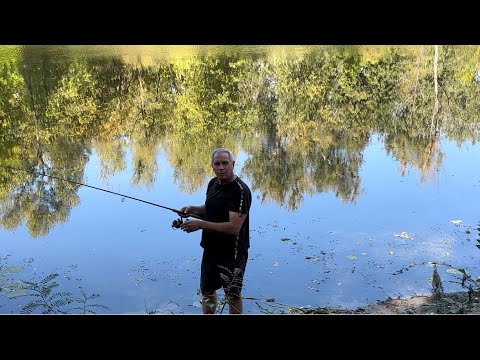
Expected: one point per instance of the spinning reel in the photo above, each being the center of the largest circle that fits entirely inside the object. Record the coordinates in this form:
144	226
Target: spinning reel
177	223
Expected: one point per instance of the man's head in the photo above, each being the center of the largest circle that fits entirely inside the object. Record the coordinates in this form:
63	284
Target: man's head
223	164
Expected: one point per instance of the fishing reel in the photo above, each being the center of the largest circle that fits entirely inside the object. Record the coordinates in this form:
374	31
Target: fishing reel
177	223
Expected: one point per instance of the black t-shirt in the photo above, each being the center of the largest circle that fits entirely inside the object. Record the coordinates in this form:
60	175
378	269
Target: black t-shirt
234	196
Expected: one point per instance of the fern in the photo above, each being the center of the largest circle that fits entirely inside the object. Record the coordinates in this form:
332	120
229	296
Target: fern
85	308
50	302
233	280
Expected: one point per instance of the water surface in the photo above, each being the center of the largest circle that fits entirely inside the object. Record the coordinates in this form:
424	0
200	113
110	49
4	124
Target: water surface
362	163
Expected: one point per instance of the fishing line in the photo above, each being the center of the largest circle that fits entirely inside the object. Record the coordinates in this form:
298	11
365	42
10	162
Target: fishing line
108	191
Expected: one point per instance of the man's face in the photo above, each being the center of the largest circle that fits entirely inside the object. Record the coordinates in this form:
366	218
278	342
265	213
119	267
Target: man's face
223	167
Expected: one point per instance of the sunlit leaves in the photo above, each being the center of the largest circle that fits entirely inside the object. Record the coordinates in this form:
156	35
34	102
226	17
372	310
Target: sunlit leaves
303	119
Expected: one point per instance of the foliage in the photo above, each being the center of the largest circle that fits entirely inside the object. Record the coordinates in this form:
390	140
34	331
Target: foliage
50	302
10	287
47	302
233	280
467	281
460	276
303	118
43	296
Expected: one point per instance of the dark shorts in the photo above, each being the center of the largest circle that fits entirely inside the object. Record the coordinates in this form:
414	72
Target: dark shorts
223	271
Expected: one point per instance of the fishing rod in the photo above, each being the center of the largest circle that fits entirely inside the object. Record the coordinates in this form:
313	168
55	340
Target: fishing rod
176	223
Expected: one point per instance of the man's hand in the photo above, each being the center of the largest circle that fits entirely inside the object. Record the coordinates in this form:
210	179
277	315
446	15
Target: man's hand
191	225
185	211
189	210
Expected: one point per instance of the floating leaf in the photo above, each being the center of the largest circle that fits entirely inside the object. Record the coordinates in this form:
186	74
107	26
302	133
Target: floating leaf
169	308
197	304
14	288
404	235
10	269
454	271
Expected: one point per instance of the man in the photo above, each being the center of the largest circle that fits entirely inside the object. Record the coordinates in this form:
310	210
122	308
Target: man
225	233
